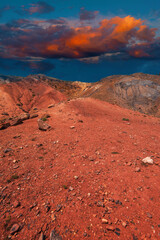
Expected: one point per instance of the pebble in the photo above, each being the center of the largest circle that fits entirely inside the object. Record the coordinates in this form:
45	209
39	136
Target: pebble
15	161
51	106
7	150
15	228
72	127
16	204
124	224
137	169
58	208
53	217
110	228
129	164
105	221
149	215
91	158
71	188
100	204
147	160
15	166
76	177
85	234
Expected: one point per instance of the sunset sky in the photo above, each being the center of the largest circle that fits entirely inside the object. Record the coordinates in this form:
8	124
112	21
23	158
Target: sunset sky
79	40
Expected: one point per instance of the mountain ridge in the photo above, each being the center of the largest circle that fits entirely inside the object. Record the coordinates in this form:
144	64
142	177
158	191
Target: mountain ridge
139	92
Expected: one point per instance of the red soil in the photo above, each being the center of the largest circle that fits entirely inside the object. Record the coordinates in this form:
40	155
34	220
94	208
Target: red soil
17	97
88	139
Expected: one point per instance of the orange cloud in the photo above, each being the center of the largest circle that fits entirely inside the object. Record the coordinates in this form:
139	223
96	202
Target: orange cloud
138	53
111	35
128	35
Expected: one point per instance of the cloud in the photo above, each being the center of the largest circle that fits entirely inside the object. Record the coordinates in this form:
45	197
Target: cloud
40	7
60	38
87	15
35	65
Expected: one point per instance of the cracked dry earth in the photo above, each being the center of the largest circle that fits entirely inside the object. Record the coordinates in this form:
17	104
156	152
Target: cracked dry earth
84	178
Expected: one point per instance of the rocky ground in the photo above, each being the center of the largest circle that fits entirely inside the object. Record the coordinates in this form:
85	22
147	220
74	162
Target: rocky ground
83	178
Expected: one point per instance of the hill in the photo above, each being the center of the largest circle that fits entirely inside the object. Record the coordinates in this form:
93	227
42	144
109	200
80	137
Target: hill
86	176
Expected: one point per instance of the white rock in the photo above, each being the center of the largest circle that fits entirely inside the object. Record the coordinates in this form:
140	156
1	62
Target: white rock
147	160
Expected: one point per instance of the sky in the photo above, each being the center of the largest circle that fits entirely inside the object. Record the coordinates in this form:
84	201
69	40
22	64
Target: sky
79	40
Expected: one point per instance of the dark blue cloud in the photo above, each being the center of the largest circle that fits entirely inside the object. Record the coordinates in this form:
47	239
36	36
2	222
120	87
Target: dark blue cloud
25	66
87	15
40	7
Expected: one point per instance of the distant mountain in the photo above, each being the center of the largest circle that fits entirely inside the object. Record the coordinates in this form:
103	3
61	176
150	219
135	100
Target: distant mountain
139	92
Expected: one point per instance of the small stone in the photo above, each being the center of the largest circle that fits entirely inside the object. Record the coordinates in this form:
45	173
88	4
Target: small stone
92	158
17	136
124	224
129	164
15	161
55	236
15	228
33	206
71	188
147	160
110	228
85	234
149	215
15	166
51	106
137	169
100	204
53	217
58	208
72	127
16	204
7	150
105	221
79	198
47	207
76	177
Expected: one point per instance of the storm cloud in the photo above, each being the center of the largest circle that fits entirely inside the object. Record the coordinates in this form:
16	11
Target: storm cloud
59	38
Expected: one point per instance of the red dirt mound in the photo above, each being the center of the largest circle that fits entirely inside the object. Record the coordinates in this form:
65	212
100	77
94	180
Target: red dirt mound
23	96
84	177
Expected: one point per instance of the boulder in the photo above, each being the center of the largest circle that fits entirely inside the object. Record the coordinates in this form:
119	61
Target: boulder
42	125
147	160
24	116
